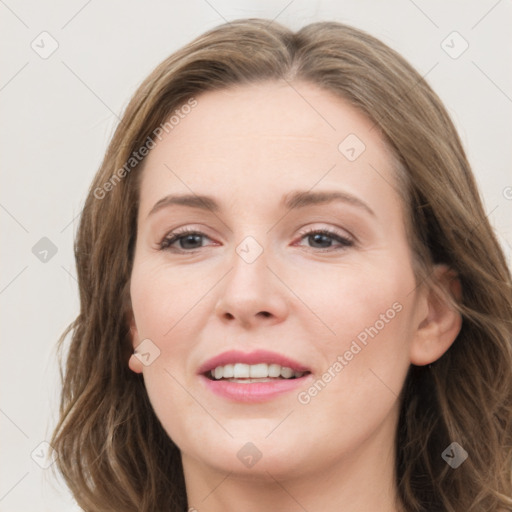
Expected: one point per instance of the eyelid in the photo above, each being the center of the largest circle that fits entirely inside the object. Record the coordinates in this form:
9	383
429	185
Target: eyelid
175	235
331	230
344	238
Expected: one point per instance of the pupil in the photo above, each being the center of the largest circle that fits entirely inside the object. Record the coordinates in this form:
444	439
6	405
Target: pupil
189	238
318	239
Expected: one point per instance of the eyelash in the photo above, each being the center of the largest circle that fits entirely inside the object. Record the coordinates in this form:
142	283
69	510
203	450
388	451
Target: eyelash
166	243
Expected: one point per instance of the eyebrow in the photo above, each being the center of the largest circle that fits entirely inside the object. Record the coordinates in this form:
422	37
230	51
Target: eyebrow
292	201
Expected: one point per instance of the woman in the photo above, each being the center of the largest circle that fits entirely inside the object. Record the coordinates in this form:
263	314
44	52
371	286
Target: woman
291	297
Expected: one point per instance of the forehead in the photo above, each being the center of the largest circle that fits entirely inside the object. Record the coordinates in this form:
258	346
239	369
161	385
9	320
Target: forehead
270	135
270	111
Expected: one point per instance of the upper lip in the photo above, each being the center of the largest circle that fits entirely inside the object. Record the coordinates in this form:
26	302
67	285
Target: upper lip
258	356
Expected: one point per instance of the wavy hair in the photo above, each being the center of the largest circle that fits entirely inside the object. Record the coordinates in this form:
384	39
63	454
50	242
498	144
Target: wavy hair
112	450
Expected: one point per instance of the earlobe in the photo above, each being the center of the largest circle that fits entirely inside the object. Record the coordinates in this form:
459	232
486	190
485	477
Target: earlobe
441	324
135	364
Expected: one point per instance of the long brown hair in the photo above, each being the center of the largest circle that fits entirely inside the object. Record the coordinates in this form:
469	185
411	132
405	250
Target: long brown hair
112	450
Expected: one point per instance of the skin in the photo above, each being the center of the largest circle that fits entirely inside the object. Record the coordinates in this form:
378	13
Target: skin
247	147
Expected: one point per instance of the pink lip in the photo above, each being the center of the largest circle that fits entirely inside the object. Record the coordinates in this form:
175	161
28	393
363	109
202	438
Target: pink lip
258	356
255	391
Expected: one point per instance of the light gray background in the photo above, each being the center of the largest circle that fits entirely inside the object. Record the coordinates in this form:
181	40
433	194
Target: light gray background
58	114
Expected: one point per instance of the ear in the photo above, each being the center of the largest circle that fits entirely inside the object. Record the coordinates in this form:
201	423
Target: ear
134	363
438	322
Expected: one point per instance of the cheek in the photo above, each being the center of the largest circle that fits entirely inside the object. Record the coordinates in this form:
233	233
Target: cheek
162	301
366	356
162	298
353	298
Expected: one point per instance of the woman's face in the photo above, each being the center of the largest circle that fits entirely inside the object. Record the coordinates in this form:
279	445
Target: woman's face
278	273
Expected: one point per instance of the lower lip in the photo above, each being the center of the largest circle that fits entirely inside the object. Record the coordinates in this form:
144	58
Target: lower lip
254	391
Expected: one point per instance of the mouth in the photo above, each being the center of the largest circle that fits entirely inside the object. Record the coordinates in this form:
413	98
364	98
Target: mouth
258	376
248	373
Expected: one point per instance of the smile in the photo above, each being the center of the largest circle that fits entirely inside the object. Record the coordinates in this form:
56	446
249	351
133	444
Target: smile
245	373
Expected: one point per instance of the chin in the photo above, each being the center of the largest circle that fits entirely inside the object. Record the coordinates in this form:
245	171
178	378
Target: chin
254	457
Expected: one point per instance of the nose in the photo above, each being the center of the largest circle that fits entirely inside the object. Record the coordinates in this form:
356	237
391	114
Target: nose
252	295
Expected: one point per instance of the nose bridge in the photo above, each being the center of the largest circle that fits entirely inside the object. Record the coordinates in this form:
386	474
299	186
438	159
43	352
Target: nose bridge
250	274
249	250
251	290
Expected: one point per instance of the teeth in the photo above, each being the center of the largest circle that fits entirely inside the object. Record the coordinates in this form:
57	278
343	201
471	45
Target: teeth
240	371
286	372
274	370
258	371
254	371
228	372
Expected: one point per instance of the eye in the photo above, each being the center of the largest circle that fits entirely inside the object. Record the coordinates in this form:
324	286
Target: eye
323	238
188	240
